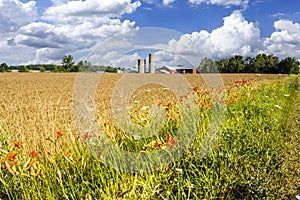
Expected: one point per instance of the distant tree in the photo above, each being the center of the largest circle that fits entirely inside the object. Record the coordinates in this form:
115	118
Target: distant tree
289	65
4	68
249	65
111	69
236	64
207	65
42	69
272	64
265	63
57	69
23	68
68	63
222	65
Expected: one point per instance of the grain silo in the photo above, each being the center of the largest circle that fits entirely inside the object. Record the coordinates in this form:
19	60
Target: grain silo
151	64
141	66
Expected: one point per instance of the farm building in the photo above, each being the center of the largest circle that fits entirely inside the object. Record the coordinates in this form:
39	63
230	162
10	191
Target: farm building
176	70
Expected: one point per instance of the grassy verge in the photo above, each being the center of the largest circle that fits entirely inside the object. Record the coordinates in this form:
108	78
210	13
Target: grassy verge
248	161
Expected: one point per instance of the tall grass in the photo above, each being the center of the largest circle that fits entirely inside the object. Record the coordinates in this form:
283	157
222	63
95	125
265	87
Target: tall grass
247	162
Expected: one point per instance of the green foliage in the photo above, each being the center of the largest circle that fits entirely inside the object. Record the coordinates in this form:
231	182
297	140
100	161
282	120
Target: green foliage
23	68
42	69
289	66
68	63
4	68
57	69
262	63
207	65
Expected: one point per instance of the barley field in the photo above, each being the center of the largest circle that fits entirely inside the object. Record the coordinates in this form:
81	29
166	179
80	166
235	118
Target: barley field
44	156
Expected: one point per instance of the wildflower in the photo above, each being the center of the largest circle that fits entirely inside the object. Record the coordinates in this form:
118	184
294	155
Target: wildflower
231	101
169	116
34	153
10	167
59	133
33	163
252	99
171	141
179	170
85	136
18	145
145	108
69	158
12	156
169	106
244	82
196	89
208	105
278	106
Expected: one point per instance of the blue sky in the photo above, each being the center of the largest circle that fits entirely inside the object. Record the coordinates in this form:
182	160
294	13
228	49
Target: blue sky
43	31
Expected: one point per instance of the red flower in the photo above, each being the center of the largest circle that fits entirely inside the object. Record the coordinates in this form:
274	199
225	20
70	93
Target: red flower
12	156
231	101
208	105
59	133
196	89
34	153
171	141
18	145
33	163
244	82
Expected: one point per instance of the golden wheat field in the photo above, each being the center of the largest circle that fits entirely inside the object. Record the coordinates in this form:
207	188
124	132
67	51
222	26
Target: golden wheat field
35	105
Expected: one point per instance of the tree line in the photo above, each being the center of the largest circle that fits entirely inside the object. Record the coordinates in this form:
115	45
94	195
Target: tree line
262	63
67	65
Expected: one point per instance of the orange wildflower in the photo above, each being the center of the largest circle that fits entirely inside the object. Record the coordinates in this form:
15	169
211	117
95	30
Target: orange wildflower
208	105
169	116
196	89
34	153
59	133
33	163
231	101
169	106
12	156
244	82
171	141
18	145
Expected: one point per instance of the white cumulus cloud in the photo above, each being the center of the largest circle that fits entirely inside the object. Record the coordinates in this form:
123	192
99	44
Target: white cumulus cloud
285	41
15	14
236	36
80	11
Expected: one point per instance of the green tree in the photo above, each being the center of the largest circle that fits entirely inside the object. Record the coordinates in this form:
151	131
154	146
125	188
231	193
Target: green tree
266	63
23	68
42	69
207	65
57	69
236	64
222	65
289	65
4	68
68	63
249	65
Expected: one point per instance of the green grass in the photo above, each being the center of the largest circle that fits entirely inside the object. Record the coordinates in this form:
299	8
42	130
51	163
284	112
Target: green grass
249	160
